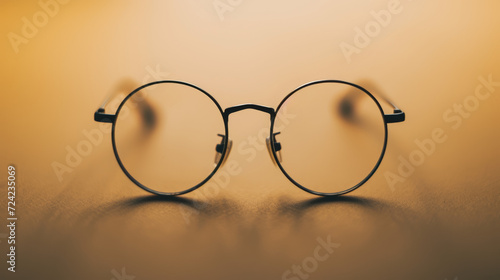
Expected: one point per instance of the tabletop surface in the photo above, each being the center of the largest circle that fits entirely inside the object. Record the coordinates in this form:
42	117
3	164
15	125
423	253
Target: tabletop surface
425	214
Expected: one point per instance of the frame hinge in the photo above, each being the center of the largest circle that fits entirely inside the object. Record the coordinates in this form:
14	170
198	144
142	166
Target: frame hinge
398	116
100	116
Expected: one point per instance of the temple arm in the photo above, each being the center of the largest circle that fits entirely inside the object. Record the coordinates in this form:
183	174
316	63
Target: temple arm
397	116
346	107
124	86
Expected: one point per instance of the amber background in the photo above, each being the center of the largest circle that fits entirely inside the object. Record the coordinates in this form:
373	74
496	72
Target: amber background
441	223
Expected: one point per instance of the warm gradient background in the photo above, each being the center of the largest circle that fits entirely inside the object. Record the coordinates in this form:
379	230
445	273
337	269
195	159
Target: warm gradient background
442	222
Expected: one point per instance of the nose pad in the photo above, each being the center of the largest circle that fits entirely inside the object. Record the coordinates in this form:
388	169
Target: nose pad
219	148
277	148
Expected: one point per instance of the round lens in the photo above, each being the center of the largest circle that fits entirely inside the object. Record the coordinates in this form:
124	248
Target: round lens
331	136
166	135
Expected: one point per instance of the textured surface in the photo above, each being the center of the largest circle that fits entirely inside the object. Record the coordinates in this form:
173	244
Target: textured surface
438	220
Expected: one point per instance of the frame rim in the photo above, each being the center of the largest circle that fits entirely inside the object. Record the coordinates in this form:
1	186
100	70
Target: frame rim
135	181
377	164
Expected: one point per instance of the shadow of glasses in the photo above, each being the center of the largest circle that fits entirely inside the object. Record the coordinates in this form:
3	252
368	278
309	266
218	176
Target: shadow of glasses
298	208
375	209
124	207
187	210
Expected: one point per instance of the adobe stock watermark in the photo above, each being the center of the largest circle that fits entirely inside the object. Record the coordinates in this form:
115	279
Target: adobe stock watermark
310	264
210	190
249	148
32	25
222	7
363	37
75	154
454	117
121	275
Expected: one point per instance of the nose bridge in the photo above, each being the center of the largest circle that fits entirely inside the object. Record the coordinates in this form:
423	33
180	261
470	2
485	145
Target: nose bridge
271	143
242	107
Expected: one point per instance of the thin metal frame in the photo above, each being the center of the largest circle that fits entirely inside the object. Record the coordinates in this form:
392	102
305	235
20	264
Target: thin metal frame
100	115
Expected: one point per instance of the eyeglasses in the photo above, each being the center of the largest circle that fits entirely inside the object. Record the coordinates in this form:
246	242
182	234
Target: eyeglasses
328	137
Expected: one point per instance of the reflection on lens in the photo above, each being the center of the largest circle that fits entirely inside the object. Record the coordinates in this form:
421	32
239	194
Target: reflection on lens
335	138
166	136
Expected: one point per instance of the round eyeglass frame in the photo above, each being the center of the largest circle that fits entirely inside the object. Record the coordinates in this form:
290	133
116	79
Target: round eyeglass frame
377	164
122	166
225	117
